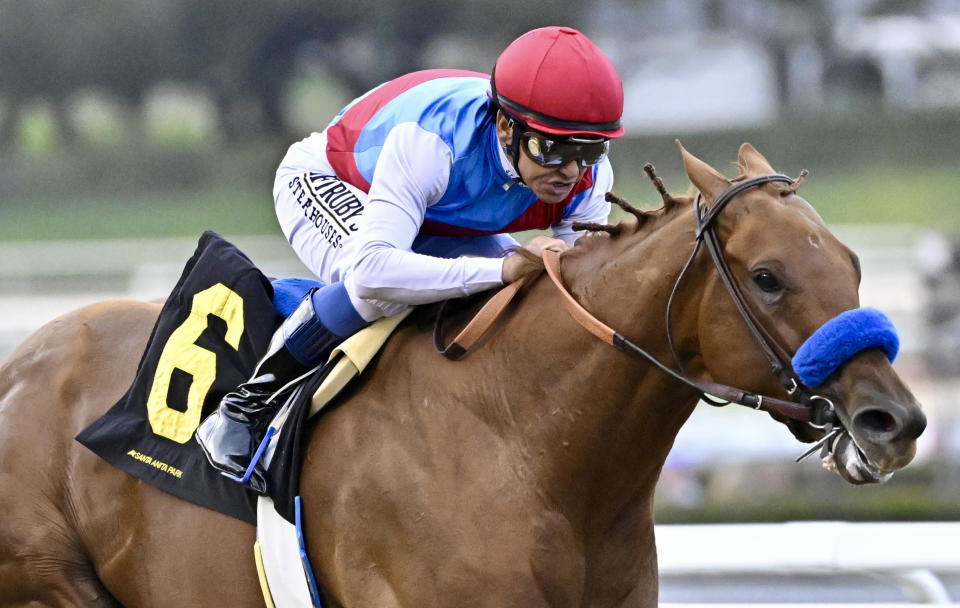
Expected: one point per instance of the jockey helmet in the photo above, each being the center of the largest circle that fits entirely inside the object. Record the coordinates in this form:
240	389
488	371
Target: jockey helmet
556	81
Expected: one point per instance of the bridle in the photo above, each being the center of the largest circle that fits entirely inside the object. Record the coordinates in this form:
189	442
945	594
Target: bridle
815	410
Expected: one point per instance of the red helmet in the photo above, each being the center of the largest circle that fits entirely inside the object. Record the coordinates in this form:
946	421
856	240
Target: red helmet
557	81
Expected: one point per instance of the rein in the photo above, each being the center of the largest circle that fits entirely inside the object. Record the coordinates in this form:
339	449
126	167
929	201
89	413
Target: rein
804	412
813	409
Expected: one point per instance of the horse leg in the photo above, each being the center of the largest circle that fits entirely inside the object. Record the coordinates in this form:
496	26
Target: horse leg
153	549
74	531
42	558
41	561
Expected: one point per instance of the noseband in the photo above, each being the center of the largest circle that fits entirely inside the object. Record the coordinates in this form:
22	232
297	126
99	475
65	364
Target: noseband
805	407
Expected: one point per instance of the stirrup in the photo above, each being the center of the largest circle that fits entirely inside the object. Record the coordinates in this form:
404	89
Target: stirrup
289	387
257	455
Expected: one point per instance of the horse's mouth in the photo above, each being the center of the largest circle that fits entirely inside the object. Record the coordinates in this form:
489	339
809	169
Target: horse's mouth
849	461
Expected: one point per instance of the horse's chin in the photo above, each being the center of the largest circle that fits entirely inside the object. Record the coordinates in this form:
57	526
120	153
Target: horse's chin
850	463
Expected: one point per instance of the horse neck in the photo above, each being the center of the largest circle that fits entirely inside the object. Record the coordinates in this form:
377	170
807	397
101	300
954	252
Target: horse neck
600	421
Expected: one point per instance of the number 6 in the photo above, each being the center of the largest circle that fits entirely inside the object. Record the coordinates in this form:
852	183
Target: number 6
180	352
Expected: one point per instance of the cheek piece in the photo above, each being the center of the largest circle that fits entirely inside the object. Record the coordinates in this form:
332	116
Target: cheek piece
839	339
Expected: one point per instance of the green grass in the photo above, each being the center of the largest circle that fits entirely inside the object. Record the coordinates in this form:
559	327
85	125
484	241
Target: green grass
925	197
156	214
868	170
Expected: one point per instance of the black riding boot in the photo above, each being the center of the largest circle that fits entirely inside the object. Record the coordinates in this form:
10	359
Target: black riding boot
231	435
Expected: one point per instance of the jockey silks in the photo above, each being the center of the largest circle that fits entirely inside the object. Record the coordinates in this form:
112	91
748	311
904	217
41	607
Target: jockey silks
415	166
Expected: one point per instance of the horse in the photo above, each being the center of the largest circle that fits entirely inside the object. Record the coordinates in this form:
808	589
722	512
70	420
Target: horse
522	474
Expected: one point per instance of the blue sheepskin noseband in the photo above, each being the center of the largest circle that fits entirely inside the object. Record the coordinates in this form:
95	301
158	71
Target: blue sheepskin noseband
841	338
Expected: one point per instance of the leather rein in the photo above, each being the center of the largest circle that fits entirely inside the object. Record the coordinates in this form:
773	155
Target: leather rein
815	410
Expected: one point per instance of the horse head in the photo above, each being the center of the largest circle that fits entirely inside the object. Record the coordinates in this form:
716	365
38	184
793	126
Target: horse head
793	277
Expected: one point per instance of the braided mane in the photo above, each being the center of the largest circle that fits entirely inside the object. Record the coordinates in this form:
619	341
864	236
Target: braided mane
644	219
670	203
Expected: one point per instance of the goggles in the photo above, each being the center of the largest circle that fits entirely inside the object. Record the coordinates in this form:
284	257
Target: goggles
548	152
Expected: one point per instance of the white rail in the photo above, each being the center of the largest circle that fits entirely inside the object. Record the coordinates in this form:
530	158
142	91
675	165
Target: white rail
806	605
907	553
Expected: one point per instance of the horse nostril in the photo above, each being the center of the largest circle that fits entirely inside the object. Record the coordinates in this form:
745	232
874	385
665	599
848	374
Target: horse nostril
882	424
877	423
915	425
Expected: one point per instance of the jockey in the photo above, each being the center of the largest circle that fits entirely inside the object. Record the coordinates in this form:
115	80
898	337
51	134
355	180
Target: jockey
406	198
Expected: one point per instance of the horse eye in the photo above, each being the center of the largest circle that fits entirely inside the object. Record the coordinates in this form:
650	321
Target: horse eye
767	281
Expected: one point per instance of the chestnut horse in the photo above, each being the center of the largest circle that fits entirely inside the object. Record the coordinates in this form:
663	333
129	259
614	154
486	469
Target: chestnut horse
522	475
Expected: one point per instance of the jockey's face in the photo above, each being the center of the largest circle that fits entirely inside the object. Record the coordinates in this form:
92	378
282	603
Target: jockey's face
550	184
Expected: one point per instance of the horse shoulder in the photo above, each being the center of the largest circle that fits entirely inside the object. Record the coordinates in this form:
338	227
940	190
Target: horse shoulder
58	380
94	349
411	489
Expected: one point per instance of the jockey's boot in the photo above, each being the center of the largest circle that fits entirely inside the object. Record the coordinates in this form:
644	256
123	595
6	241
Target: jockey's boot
230	437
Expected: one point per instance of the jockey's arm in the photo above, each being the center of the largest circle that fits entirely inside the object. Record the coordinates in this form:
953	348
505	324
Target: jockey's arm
412	173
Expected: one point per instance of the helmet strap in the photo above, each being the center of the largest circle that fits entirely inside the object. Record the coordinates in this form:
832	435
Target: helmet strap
513	148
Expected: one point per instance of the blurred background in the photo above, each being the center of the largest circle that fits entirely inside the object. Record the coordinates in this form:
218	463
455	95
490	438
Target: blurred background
127	127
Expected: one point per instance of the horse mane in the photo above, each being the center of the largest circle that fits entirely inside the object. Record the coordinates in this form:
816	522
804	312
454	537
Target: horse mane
646	221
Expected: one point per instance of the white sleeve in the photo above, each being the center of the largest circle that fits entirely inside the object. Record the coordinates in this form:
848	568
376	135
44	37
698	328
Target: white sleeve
594	208
412	172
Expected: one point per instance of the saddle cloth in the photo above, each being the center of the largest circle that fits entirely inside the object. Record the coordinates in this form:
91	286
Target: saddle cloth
211	331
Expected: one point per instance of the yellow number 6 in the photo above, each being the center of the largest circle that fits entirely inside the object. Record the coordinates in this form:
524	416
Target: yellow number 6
180	352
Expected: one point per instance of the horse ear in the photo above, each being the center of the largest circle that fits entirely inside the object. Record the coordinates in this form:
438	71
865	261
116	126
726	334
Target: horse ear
752	162
705	178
